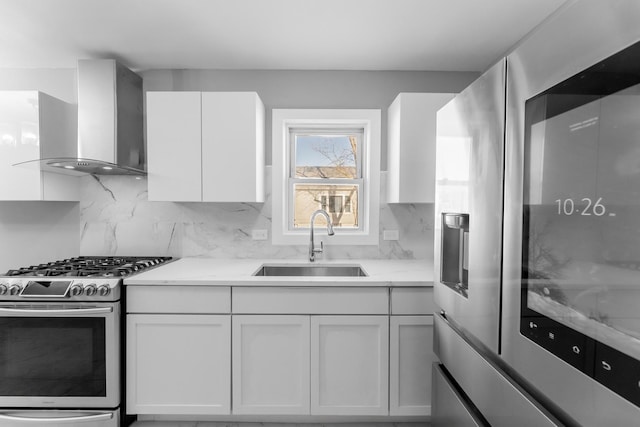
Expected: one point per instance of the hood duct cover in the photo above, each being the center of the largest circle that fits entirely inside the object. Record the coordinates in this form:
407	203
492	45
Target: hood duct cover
110	122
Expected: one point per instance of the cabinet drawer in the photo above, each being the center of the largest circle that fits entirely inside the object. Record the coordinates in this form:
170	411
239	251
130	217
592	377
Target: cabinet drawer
412	301
178	299
308	300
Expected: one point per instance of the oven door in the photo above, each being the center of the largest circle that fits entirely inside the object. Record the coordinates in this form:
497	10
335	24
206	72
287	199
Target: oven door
59	355
59	418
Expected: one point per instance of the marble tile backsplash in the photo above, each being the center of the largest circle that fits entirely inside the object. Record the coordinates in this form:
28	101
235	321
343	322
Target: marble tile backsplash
117	218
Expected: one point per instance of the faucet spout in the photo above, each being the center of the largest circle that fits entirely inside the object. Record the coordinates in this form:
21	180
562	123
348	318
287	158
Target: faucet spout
312	249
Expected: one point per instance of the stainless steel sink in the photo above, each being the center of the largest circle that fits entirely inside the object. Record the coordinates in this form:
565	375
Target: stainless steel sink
329	270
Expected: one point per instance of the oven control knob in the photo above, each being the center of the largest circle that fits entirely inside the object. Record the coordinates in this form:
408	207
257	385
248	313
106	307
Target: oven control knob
104	290
90	290
3	289
15	289
76	290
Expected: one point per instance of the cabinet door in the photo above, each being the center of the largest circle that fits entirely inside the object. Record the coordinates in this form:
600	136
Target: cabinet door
34	125
349	365
178	364
270	364
20	131
411	156
174	146
232	147
410	359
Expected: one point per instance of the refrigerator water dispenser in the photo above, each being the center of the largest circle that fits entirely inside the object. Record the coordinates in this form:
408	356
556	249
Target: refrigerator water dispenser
454	262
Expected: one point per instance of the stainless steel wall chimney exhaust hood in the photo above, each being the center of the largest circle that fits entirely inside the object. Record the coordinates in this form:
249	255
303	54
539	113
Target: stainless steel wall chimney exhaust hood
110	135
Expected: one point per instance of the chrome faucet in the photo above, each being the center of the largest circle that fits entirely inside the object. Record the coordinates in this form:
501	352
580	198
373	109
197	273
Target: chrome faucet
312	249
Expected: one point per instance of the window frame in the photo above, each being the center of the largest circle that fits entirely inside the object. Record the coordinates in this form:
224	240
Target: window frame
283	162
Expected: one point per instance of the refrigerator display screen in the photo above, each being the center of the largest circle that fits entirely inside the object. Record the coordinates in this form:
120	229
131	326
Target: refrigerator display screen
581	222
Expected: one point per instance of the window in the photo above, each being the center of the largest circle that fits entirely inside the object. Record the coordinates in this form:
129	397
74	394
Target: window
326	159
325	169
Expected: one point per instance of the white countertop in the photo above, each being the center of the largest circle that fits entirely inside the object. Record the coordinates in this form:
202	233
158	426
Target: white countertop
239	272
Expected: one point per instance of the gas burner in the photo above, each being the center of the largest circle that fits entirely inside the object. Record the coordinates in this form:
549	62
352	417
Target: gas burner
106	267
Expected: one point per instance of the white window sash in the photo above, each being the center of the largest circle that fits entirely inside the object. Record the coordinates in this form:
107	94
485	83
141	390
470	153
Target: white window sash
359	183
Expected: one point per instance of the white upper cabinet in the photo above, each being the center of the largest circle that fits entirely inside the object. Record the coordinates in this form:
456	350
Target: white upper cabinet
174	146
411	142
232	147
205	146
32	124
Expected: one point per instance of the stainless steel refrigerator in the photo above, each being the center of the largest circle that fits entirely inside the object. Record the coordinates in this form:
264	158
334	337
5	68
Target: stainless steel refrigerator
537	237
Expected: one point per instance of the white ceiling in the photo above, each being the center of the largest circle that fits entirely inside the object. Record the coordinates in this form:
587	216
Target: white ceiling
453	35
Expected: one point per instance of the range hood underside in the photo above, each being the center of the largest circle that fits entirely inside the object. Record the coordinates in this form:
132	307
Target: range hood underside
80	167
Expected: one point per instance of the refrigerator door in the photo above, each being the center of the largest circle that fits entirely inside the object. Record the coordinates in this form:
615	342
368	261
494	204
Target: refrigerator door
563	186
468	207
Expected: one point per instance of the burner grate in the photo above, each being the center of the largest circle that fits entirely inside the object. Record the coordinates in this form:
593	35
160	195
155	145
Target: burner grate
90	267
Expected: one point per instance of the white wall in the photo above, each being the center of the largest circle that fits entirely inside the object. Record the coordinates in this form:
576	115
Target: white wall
115	218
37	232
313	89
57	82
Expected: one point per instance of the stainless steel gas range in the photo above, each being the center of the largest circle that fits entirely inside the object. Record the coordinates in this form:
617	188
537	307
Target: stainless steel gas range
60	341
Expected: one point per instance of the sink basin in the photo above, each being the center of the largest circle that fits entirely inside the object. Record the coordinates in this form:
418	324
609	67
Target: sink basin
328	270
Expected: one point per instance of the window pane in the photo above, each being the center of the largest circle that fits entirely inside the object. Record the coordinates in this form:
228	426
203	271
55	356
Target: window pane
335	203
323	202
340	201
326	156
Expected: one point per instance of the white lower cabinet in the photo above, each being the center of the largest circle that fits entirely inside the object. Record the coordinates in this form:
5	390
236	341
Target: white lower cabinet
178	364
270	364
410	359
349	365
279	351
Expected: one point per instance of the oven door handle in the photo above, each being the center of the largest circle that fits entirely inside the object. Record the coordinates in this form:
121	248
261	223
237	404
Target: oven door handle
100	310
49	420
